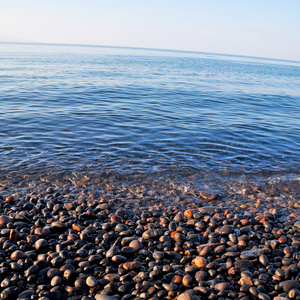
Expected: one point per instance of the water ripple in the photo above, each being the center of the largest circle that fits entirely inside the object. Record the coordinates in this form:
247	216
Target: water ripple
79	109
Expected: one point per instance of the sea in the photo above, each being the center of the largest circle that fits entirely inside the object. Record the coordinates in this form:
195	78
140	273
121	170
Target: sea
144	114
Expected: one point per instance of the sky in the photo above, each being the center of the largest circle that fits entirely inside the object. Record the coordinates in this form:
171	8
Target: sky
261	28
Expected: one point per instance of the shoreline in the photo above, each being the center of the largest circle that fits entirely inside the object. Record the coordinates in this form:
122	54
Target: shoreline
89	238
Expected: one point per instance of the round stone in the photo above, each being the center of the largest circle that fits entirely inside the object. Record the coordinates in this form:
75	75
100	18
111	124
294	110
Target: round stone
226	229
91	281
150	234
16	255
41	243
136	245
55	281
200	262
4	220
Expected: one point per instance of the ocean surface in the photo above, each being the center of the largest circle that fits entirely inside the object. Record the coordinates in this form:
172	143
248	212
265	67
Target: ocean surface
108	111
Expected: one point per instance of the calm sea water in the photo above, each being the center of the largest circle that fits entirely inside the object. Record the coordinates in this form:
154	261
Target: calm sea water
104	110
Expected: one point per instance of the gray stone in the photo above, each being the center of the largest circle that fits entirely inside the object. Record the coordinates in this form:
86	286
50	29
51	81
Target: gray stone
287	285
243	264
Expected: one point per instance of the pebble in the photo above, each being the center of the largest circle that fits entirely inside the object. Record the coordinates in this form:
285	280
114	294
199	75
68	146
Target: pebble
200	262
243	264
16	255
226	229
91	281
150	234
40	244
185	296
55	281
221	286
104	297
287	285
4	220
136	245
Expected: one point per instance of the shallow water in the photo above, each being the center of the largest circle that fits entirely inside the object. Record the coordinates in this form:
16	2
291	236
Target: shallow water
104	110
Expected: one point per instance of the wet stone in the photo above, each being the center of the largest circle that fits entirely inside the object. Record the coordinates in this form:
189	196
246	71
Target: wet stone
208	209
136	245
226	229
16	255
263	259
40	244
150	234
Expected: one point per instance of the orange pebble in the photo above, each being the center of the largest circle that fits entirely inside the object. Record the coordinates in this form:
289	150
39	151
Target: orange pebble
176	279
188	214
244	221
282	240
173	234
76	227
92	196
262	220
276	277
78	258
292	215
242	243
199	262
187	280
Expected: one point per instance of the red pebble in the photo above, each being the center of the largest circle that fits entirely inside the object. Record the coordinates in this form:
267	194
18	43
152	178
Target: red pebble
115	218
10	199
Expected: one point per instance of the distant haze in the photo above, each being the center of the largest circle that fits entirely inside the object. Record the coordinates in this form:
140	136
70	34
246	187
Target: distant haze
243	27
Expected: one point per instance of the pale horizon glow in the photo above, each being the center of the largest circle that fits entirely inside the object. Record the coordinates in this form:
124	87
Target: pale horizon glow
267	29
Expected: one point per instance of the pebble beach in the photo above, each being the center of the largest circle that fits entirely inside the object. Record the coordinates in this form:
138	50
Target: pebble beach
147	174
95	239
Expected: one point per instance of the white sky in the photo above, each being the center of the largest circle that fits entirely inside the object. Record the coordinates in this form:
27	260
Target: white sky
263	28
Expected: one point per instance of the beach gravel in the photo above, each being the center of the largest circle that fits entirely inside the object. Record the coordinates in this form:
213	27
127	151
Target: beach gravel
101	241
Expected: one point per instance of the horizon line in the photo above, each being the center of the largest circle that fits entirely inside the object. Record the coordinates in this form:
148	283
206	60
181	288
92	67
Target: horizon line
155	49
